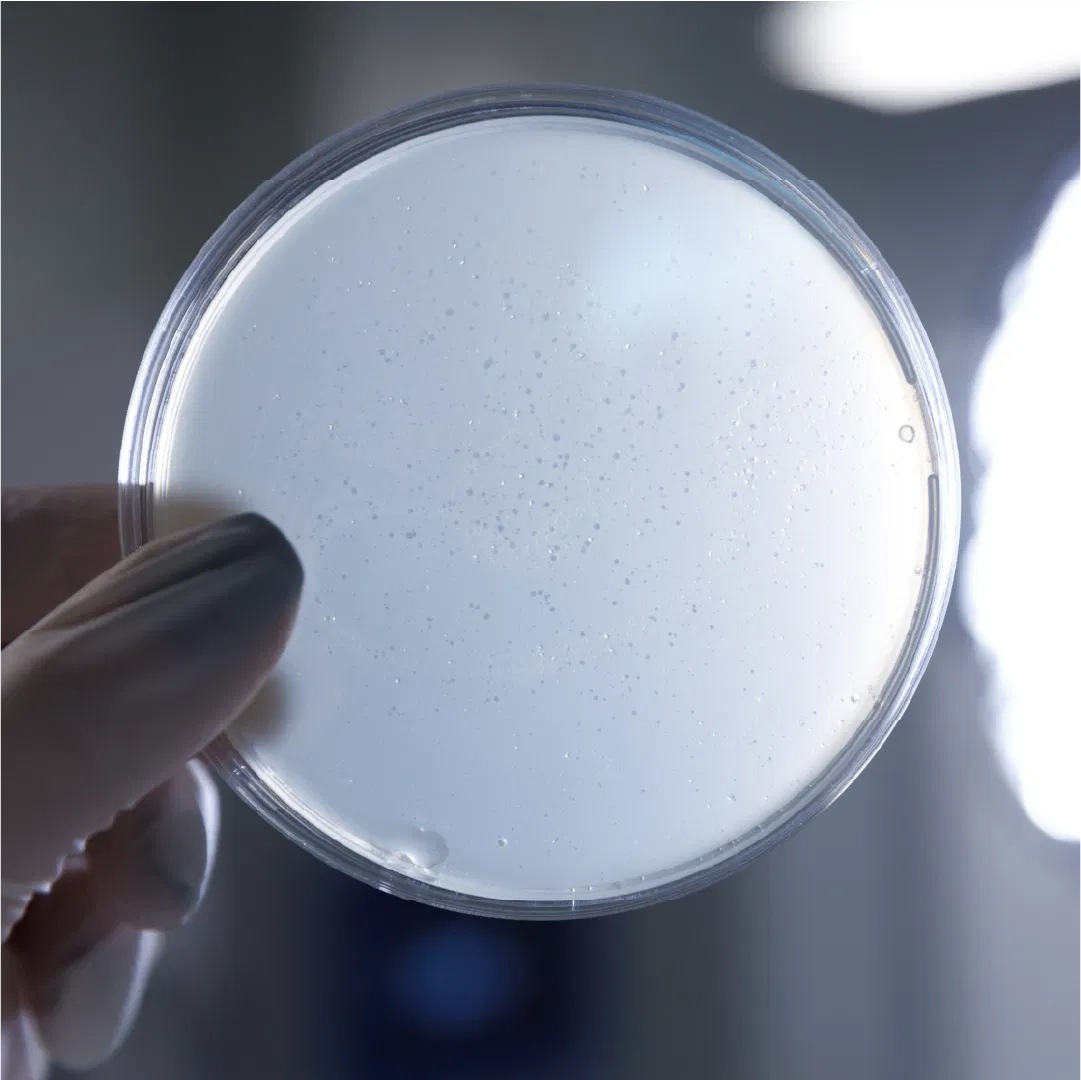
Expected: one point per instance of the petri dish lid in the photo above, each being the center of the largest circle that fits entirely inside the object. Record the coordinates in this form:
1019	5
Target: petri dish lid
623	476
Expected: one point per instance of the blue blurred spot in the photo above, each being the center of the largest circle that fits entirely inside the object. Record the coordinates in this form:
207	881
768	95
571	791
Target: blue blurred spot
458	980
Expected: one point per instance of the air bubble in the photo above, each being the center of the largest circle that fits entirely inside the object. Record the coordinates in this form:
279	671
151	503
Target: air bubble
907	433
424	850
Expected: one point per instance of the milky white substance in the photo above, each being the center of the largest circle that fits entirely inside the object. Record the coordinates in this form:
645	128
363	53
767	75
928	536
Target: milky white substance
611	493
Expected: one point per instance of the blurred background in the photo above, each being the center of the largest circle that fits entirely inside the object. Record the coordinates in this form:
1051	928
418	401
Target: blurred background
926	925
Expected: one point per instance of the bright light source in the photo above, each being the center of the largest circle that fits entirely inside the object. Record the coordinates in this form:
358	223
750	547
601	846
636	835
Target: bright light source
1022	581
904	56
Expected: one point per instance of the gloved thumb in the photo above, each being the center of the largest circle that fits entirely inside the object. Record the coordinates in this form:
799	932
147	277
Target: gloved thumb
115	689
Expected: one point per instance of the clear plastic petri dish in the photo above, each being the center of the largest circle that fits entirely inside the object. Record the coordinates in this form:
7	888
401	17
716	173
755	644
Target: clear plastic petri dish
623	476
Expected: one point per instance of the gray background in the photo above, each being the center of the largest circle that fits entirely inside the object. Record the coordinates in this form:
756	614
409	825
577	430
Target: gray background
921	927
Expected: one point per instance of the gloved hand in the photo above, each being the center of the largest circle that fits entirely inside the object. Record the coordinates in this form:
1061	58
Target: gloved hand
109	828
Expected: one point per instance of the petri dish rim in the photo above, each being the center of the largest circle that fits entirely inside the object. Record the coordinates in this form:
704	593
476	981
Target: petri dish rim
729	152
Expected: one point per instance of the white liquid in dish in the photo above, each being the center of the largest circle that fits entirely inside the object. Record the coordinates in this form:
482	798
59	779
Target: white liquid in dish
611	493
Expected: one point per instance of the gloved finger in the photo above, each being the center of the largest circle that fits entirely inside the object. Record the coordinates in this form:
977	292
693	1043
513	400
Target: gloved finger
123	683
22	1055
154	861
92	1005
83	971
55	540
59	929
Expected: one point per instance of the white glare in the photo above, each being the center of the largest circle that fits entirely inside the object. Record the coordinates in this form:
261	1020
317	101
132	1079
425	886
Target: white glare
904	56
1022	585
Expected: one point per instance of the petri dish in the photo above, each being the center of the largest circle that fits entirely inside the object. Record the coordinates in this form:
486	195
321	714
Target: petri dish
623	476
